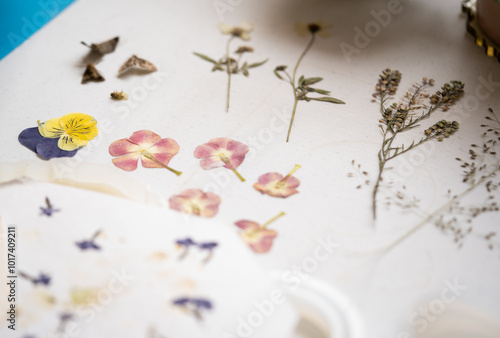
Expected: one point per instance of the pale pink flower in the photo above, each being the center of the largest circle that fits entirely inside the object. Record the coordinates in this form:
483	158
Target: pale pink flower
258	237
274	184
222	152
154	151
196	202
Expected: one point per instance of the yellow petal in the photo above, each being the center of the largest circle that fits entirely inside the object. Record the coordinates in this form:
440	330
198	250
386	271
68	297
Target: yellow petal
71	143
225	29
78	125
246	26
302	29
51	128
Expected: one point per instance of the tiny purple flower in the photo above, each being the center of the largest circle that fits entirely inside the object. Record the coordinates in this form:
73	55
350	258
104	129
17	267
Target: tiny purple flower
49	210
89	244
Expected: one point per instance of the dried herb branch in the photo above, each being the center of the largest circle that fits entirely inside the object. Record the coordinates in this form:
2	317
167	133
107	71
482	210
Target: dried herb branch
480	170
408	114
229	64
302	87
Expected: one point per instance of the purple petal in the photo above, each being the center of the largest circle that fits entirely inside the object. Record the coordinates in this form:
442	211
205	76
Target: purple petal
47	148
30	138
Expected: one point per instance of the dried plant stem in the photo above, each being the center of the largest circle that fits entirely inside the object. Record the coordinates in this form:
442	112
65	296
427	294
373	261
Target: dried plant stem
152	158
440	209
292	82
238	175
228	65
272	220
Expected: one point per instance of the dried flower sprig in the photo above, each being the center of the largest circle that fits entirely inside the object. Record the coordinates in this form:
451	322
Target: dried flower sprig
403	116
204	246
258	237
480	170
302	87
90	243
42	278
232	65
49	210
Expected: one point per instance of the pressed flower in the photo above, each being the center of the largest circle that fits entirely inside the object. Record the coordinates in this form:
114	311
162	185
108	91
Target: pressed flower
222	152
46	148
42	278
319	28
196	202
274	184
258	237
89	244
185	244
208	246
194	305
73	131
154	151
49	210
242	31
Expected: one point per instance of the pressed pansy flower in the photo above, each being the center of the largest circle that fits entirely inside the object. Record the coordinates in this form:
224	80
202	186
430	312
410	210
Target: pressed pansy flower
242	31
194	305
319	28
42	278
89	244
274	184
154	151
49	210
258	237
196	202
222	152
73	131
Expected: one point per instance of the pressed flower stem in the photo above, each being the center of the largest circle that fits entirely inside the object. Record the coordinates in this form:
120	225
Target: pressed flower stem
281	183
309	45
263	226
152	158
228	65
238	175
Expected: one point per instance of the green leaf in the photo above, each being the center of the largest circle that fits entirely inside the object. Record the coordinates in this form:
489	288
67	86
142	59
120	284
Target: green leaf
312	80
320	91
301	81
244	71
277	74
206	58
327	99
257	64
217	67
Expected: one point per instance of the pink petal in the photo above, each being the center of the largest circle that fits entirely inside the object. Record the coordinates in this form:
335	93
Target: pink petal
210	210
237	147
176	202
144	138
292	182
244	224
122	147
163	158
211	163
165	146
265	244
204	151
127	162
270	177
191	193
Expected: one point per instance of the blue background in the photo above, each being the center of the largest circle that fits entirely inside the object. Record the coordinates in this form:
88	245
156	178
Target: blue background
19	19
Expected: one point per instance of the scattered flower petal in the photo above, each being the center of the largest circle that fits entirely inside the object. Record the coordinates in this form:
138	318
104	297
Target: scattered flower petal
49	210
194	305
89	244
73	131
222	152
196	202
274	184
258	237
42	278
154	151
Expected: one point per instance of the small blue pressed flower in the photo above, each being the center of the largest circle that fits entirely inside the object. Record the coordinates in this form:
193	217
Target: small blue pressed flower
49	210
89	244
185	244
209	246
194	305
42	278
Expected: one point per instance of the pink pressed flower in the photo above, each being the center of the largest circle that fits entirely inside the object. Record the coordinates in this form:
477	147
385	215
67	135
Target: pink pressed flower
154	151
258	237
274	184
222	152
196	202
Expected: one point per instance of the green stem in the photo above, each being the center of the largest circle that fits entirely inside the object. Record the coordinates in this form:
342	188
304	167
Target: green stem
272	220
152	158
309	45
238	175
228	66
